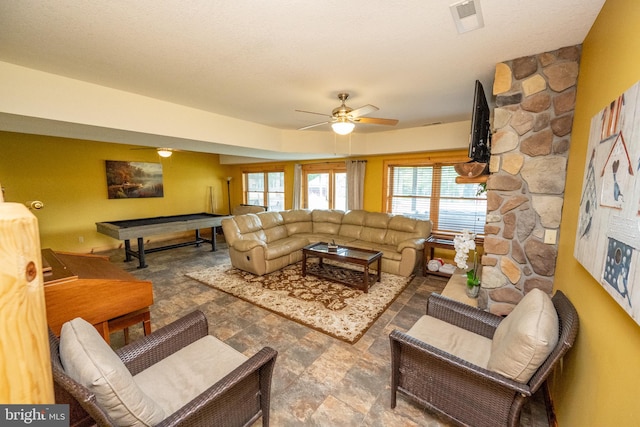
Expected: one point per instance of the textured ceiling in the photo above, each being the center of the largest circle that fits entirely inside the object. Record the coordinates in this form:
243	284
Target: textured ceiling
261	60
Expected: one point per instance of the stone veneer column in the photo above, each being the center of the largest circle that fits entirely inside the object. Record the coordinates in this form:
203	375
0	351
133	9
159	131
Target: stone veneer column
532	121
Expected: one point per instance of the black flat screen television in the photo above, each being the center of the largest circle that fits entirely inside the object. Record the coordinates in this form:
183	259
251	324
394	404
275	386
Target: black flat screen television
480	137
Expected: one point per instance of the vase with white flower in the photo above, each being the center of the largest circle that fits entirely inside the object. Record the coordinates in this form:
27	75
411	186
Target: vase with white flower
464	244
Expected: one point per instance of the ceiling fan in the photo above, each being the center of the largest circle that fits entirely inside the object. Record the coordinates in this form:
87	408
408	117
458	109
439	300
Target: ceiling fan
344	118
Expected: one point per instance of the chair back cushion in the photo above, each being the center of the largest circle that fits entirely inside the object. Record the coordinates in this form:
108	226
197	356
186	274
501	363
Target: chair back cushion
89	360
525	338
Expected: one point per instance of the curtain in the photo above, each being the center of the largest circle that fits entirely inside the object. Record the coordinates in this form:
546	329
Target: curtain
297	187
355	183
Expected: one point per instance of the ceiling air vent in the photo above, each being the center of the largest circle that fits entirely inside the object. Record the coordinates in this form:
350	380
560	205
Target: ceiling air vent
467	15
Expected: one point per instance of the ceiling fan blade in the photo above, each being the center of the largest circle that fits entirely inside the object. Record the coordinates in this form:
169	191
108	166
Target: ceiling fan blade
376	121
313	112
363	111
314	125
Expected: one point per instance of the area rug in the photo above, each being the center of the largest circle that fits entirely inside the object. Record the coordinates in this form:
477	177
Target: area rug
329	307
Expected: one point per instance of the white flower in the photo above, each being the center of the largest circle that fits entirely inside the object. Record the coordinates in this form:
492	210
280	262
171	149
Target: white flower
464	243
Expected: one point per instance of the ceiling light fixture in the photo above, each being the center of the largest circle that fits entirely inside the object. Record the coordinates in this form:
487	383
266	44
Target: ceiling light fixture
164	152
343	126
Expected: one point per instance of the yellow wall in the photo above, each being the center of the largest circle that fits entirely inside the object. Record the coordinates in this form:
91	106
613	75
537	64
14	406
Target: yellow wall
600	379
68	175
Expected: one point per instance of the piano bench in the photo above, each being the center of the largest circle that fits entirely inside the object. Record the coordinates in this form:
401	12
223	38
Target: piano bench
123	322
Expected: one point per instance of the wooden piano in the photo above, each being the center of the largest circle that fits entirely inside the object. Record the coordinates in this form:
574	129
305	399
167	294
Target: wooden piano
89	286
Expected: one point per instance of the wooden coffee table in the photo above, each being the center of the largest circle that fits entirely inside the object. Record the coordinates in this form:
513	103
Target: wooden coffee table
346	255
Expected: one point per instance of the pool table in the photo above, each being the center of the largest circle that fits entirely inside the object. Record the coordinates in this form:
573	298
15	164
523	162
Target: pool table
139	228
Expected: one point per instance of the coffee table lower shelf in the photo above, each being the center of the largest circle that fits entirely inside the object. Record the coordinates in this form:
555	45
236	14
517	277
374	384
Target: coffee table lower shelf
343	275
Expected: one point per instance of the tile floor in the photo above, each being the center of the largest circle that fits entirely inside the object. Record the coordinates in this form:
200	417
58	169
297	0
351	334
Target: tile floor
318	380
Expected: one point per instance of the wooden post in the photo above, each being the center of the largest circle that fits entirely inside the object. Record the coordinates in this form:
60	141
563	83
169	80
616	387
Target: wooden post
25	364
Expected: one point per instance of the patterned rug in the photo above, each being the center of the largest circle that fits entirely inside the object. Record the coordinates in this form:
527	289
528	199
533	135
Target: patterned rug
329	307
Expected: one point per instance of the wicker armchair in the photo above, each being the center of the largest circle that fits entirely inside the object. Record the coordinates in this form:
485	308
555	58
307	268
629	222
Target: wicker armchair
462	392
238	399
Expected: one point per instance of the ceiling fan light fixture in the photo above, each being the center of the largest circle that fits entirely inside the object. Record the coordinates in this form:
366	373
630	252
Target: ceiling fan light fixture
164	152
343	127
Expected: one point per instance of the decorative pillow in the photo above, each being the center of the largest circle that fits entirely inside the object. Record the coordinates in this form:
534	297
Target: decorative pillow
89	360
525	338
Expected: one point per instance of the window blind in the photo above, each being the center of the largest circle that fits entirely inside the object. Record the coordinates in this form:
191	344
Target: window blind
430	192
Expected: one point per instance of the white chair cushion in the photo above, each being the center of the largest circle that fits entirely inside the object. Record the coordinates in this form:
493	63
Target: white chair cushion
525	338
184	375
459	342
89	360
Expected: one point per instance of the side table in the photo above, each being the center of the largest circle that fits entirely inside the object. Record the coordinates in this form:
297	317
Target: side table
433	242
441	241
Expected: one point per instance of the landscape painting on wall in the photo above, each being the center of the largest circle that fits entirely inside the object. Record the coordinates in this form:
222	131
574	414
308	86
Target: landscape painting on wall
127	180
608	237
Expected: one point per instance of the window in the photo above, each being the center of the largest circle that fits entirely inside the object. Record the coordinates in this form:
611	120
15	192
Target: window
430	191
264	189
325	186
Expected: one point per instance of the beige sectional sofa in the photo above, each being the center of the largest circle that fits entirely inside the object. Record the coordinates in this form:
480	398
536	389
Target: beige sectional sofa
268	241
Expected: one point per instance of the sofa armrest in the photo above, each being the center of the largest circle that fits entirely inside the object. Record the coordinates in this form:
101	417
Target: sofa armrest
163	342
417	244
245	245
234	396
462	315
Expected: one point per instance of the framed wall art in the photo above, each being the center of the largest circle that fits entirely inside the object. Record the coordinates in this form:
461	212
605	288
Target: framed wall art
128	180
608	238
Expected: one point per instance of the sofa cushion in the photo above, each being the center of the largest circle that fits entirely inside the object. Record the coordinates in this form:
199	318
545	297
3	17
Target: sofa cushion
297	221
525	338
273	226
449	338
327	238
274	234
249	223
181	377
283	247
249	227
296	215
89	360
270	219
327	221
401	228
388	252
352	223
375	227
